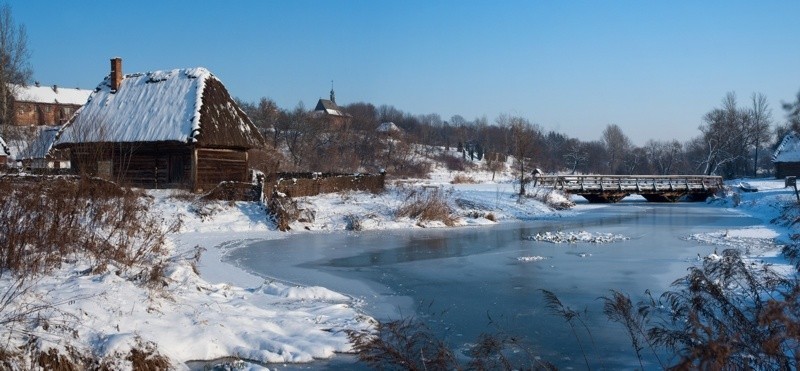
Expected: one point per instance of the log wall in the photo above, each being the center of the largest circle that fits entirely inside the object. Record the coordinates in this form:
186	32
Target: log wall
146	165
784	169
217	165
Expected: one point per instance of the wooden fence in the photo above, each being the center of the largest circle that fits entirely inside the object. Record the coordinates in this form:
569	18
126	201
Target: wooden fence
312	184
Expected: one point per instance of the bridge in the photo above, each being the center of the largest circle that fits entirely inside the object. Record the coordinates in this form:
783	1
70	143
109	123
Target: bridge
654	188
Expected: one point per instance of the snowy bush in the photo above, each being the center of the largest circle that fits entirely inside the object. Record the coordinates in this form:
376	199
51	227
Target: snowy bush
427	204
554	198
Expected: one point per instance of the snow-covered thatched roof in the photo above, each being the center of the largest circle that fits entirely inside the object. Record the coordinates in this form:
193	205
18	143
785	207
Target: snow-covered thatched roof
49	94
789	149
182	105
41	145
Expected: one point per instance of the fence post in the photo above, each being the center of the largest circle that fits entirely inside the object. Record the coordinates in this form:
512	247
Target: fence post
792	181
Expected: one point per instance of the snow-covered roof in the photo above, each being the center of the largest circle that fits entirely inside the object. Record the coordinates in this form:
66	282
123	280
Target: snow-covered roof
789	149
41	145
328	107
388	127
162	106
50	94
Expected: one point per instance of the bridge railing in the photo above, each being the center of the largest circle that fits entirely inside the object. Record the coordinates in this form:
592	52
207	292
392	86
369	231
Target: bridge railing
630	183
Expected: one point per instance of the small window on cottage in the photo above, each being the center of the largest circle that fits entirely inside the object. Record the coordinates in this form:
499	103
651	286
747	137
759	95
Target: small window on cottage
104	169
48	109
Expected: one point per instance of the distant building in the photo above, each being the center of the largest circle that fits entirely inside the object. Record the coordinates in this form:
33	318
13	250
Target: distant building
39	154
45	105
4	152
161	129
328	110
786	158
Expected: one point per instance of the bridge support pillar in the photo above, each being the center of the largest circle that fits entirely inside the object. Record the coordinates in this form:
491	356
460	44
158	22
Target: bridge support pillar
605	197
661	197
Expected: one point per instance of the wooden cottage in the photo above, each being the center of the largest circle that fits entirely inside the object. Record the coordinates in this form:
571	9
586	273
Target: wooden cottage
161	129
786	158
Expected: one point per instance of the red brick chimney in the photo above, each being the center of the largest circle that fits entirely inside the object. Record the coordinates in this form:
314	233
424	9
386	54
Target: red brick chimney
116	73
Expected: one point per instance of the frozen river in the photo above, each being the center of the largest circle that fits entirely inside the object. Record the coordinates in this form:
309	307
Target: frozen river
456	279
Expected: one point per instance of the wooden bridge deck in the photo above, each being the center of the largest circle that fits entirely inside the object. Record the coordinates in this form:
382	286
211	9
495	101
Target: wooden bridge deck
654	188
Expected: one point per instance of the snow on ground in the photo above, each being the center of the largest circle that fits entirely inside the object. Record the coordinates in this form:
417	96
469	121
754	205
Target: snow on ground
206	309
531	258
771	202
224	311
577	237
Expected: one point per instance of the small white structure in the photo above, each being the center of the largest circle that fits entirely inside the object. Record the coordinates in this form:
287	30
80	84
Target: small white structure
388	128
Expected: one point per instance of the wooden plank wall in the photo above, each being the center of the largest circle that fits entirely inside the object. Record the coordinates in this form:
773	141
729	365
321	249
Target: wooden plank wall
784	169
144	165
218	165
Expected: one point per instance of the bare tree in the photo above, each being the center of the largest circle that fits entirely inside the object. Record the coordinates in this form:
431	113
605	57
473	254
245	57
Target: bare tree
575	155
663	156
617	145
723	138
523	146
760	122
635	161
14	64
793	113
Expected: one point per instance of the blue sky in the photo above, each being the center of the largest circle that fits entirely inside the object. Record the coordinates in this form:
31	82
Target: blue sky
653	68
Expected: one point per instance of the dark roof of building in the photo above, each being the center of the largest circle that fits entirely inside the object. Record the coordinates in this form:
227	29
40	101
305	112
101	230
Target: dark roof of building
329	108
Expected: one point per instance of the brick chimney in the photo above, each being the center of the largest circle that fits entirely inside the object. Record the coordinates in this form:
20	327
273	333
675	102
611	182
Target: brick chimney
116	73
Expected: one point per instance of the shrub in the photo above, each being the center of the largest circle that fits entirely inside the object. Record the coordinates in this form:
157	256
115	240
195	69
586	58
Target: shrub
353	222
409	344
452	163
463	179
70	217
429	204
731	314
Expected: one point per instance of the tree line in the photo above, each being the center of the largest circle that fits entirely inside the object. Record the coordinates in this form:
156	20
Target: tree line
734	139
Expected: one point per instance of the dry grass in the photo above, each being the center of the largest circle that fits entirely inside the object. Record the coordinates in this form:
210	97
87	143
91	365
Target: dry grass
46	221
66	218
409	344
726	314
463	179
452	163
429	204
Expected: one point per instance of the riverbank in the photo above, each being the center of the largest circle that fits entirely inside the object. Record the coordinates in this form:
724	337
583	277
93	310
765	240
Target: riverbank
209	309
199	308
